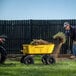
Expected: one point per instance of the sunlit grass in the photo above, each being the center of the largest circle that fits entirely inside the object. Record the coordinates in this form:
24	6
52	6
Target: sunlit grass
61	68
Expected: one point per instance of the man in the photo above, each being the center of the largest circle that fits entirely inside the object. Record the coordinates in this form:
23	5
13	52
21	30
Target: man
70	33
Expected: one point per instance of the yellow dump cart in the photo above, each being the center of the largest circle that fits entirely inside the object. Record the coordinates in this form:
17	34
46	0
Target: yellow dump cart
38	49
49	51
44	50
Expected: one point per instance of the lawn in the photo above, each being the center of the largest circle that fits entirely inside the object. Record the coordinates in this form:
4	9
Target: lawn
61	68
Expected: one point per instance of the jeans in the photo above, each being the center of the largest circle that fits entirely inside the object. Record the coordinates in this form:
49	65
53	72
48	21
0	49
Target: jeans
74	49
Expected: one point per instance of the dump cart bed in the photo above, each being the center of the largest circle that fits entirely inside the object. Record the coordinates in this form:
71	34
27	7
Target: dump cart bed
38	49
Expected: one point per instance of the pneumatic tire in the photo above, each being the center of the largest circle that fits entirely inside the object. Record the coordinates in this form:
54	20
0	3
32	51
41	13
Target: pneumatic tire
27	59
3	55
47	59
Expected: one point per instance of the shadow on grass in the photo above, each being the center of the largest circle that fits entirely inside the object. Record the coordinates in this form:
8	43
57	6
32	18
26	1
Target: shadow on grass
8	64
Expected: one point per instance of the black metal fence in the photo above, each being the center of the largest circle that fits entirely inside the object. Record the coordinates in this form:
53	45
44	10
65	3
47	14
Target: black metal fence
23	31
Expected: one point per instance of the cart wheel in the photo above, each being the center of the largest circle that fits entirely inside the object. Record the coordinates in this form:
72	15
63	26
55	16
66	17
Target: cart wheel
28	60
44	59
3	55
47	59
22	59
50	60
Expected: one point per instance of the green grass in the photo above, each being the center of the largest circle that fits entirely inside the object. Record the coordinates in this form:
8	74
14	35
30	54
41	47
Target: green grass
61	68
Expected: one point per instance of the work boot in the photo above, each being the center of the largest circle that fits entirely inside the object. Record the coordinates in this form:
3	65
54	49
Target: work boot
72	57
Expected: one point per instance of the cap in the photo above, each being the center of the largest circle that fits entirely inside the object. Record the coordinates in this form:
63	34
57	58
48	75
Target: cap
65	24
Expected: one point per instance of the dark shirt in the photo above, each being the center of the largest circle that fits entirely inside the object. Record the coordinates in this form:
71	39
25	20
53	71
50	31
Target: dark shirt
71	33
